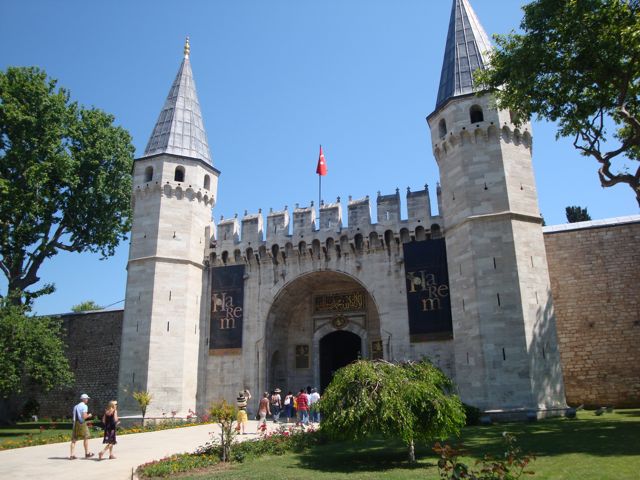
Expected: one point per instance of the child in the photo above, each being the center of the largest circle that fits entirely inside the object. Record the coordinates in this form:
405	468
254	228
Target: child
242	419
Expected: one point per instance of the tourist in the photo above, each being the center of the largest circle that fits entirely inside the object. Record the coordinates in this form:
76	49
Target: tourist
313	406
110	421
276	404
80	429
263	411
288	406
242	419
303	407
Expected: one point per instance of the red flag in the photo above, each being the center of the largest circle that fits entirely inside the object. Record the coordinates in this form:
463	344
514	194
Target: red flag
321	169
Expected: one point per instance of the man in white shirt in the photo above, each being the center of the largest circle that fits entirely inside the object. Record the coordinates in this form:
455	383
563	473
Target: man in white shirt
314	396
80	429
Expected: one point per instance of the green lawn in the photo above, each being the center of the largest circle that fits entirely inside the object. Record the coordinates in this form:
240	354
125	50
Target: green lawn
38	432
588	448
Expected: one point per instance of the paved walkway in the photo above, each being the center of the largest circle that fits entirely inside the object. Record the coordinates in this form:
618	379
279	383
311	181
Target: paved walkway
51	462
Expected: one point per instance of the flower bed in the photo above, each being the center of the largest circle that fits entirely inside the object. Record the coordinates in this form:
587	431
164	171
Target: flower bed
278	442
45	435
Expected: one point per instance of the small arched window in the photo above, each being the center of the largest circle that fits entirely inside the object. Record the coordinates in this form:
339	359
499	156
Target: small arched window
179	175
475	113
207	182
359	243
442	128
148	174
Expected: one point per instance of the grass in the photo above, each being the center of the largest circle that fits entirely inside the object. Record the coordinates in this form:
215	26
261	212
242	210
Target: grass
588	448
34	433
27	434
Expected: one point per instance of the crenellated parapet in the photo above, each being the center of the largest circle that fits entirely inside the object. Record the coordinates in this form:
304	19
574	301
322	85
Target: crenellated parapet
244	240
481	134
173	190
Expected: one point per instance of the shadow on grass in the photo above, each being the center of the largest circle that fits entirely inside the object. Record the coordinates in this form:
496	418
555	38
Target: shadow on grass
372	455
629	413
609	435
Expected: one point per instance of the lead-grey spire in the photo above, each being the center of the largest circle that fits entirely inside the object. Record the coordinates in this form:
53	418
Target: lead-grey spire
467	50
180	129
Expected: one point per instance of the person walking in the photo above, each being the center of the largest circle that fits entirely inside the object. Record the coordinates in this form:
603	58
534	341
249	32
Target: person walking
276	404
303	407
242	419
263	411
288	406
313	406
80	429
110	421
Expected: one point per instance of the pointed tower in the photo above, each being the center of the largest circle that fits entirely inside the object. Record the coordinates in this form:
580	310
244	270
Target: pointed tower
506	351
174	190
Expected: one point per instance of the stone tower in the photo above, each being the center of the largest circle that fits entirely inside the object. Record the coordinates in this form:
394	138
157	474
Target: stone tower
174	190
506	351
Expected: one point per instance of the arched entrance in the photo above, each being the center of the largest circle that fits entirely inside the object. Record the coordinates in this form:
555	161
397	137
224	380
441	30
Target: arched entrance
337	350
326	307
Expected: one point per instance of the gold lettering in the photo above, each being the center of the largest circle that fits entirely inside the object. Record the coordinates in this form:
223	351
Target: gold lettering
431	304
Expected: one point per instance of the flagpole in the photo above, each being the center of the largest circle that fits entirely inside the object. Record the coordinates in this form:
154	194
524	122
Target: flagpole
319	194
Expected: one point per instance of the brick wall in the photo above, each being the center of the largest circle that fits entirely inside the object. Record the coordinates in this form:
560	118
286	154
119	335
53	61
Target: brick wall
595	281
93	350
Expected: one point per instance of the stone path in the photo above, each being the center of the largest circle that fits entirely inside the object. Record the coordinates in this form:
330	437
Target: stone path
51	462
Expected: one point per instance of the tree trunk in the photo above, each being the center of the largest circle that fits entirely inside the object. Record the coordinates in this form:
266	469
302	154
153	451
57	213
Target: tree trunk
412	452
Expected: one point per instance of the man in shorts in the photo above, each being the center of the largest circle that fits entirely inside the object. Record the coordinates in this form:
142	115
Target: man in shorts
80	429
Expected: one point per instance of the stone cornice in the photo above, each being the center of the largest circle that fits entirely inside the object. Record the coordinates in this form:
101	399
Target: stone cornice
156	258
524	217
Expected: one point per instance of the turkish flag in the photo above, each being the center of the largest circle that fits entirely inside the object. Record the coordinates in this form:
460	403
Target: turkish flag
321	169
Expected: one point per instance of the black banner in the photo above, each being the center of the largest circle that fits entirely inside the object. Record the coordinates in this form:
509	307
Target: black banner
428	299
227	297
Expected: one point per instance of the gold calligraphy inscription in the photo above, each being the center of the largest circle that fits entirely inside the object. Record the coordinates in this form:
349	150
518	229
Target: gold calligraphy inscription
340	302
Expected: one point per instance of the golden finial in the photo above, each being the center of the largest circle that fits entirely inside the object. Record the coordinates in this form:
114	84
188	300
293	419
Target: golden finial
187	48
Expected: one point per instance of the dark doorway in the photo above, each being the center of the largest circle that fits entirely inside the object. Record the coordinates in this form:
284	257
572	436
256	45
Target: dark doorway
337	350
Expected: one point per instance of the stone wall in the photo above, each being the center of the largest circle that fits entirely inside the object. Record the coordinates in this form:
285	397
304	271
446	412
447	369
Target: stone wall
93	350
595	283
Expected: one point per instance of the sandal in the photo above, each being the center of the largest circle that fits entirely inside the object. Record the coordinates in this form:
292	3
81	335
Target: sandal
88	455
112	457
72	457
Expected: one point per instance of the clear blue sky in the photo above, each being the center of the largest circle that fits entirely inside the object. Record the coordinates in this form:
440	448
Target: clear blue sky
275	79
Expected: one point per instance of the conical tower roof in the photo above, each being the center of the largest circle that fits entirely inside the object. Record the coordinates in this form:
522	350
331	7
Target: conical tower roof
467	50
180	129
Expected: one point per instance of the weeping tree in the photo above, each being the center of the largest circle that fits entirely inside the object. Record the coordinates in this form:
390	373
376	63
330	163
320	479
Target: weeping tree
410	401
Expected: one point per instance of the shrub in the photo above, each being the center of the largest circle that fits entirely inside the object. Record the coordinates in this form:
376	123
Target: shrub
174	464
511	466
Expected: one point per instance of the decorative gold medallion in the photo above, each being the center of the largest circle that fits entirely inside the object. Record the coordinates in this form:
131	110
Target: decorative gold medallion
339	322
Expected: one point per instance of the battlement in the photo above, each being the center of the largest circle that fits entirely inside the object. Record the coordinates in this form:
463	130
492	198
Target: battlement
238	236
174	190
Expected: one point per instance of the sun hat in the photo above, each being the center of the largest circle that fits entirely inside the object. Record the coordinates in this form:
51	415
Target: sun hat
277	390
84	396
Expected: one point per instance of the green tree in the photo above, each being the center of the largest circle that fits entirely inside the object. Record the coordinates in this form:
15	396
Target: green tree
31	351
144	399
86	306
577	62
577	214
411	401
65	178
